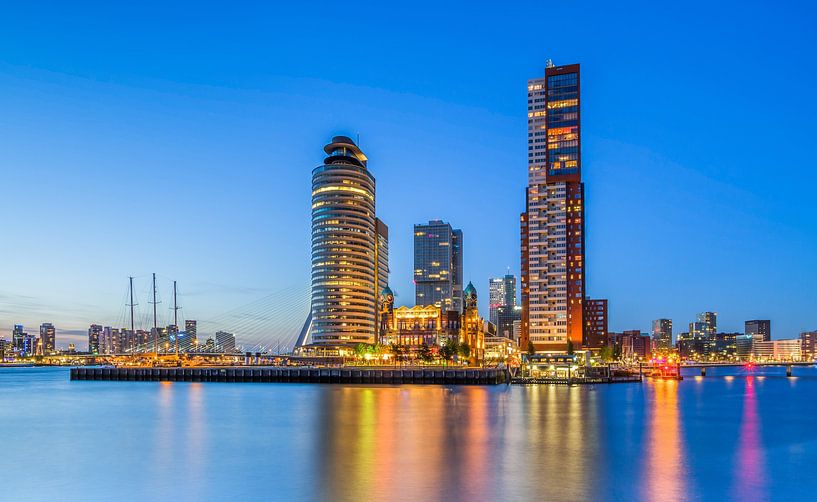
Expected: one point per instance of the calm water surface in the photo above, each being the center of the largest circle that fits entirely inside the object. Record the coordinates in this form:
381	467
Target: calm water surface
733	435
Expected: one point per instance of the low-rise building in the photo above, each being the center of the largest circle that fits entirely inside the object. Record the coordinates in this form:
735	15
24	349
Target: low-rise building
631	345
777	350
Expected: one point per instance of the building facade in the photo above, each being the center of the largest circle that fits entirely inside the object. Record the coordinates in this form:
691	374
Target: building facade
759	329
225	342
94	334
48	338
808	345
777	350
595	323
501	293
190	328
552	226
18	338
631	345
438	265
345	260
507	317
662	334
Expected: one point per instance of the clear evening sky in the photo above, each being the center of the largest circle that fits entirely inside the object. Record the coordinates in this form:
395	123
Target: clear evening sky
180	139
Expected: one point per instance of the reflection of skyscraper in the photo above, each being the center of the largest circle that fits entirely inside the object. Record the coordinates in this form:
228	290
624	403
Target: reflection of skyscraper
348	249
552	229
438	265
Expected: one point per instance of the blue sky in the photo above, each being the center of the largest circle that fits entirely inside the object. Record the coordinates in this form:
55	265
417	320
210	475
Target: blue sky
180	139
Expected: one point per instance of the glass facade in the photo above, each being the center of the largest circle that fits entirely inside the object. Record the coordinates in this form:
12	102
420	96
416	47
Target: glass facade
438	265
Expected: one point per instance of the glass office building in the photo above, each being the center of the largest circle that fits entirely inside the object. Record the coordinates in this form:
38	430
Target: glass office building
438	265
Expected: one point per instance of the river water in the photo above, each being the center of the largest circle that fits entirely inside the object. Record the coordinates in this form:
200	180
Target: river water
733	435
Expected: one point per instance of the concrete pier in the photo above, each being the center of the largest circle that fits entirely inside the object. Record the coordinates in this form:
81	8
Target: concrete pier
279	374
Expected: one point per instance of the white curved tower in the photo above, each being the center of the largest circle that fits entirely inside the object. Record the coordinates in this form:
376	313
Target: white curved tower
344	243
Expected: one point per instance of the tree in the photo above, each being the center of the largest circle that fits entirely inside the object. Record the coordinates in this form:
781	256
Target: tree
606	353
531	348
569	347
398	351
361	350
425	353
465	350
449	349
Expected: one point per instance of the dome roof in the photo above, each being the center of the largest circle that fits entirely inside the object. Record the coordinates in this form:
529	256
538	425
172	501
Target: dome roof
470	290
386	291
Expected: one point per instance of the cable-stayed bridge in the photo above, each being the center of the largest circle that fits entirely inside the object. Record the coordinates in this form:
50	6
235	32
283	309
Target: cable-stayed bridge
268	324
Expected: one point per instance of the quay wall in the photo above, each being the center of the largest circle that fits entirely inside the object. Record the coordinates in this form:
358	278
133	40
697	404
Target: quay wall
486	376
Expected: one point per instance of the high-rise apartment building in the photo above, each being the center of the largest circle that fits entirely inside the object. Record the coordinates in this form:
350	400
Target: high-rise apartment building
48	338
94	333
349	249
552	226
662	334
501	293
438	265
595	323
759	329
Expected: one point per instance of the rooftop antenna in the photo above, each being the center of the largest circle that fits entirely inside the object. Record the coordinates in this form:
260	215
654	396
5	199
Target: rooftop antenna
358	139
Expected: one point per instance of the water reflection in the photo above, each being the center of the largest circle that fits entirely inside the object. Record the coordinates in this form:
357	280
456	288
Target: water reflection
697	439
749	482
665	467
434	443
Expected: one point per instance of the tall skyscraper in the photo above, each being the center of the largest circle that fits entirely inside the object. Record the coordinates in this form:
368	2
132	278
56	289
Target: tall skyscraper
438	265
662	333
18	338
595	320
94	332
48	337
347	250
552	226
190	327
759	329
501	293
709	323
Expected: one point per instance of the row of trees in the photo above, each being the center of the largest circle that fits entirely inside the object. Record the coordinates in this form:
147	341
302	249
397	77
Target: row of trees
447	352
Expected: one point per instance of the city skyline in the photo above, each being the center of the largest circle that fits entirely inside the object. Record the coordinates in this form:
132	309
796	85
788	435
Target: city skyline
650	199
